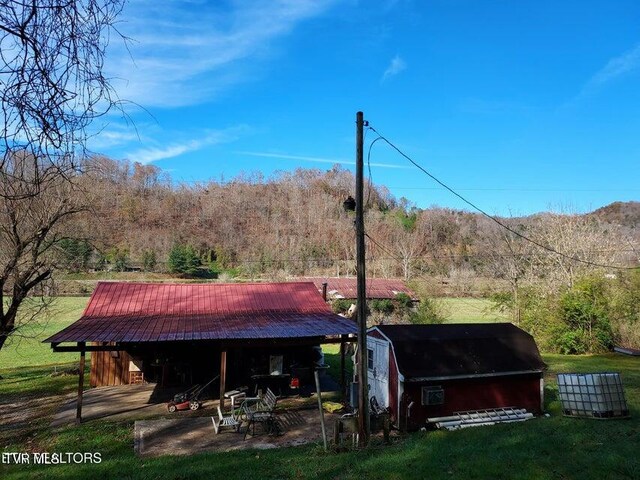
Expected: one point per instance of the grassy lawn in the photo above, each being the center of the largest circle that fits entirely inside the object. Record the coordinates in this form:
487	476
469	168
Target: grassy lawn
470	310
27	350
544	448
332	358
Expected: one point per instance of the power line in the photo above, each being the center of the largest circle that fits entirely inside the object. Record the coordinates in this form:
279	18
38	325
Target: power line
521	189
369	167
491	217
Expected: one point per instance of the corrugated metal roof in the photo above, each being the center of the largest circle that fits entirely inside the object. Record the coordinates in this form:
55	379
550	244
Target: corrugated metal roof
153	312
376	287
462	349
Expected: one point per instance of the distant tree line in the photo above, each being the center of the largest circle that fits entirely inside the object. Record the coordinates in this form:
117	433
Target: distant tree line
294	224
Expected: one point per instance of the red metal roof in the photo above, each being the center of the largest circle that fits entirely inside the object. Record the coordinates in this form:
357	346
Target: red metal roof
376	287
153	312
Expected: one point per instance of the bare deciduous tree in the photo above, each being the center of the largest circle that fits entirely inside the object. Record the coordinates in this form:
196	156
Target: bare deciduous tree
51	88
509	257
577	237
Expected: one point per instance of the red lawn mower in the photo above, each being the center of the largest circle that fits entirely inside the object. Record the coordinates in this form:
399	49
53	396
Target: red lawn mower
189	399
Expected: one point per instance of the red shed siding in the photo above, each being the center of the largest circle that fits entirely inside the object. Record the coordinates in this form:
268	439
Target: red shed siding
476	394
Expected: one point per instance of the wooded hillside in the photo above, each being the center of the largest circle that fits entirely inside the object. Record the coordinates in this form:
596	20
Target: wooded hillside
294	224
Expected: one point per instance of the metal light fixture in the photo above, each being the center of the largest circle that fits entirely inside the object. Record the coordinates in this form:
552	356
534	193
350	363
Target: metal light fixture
349	204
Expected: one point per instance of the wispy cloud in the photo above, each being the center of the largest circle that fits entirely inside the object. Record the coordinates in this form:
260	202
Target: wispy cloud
181	55
396	66
332	161
153	154
616	67
113	136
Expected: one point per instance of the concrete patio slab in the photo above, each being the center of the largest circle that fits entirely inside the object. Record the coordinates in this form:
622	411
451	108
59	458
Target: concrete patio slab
122	402
137	402
186	436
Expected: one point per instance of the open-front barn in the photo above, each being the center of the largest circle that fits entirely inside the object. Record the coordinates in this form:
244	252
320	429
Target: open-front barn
256	334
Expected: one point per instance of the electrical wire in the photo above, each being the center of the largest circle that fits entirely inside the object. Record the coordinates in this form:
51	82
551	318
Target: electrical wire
521	189
369	167
491	217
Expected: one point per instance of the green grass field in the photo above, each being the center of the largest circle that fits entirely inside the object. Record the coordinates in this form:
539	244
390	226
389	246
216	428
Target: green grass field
27	348
470	310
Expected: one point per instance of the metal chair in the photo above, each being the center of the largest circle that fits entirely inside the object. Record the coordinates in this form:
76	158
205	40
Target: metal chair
260	410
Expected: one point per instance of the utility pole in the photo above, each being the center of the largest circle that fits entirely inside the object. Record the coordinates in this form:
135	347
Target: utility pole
361	303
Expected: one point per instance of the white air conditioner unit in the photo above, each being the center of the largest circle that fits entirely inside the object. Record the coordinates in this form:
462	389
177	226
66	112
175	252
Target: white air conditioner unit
432	395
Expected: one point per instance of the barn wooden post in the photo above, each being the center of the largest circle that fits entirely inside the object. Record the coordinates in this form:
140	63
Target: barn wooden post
81	345
223	376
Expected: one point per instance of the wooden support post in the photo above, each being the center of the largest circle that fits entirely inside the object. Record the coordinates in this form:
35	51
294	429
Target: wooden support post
81	345
319	395
386	429
223	377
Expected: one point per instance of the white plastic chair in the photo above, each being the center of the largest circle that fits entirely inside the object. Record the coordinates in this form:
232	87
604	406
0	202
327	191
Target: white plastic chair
225	421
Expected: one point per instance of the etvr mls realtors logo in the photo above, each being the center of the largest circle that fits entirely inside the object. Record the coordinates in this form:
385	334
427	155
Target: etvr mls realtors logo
45	458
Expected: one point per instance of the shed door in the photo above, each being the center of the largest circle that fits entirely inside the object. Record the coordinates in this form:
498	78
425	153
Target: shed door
378	366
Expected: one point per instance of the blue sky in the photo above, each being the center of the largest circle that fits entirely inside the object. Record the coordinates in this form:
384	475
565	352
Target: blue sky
520	106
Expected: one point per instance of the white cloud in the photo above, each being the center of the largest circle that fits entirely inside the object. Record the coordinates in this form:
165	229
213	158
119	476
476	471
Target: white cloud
616	67
396	66
112	137
181	54
332	161
153	154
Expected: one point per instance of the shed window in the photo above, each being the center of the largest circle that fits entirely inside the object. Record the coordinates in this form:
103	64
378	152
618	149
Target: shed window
432	395
370	358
